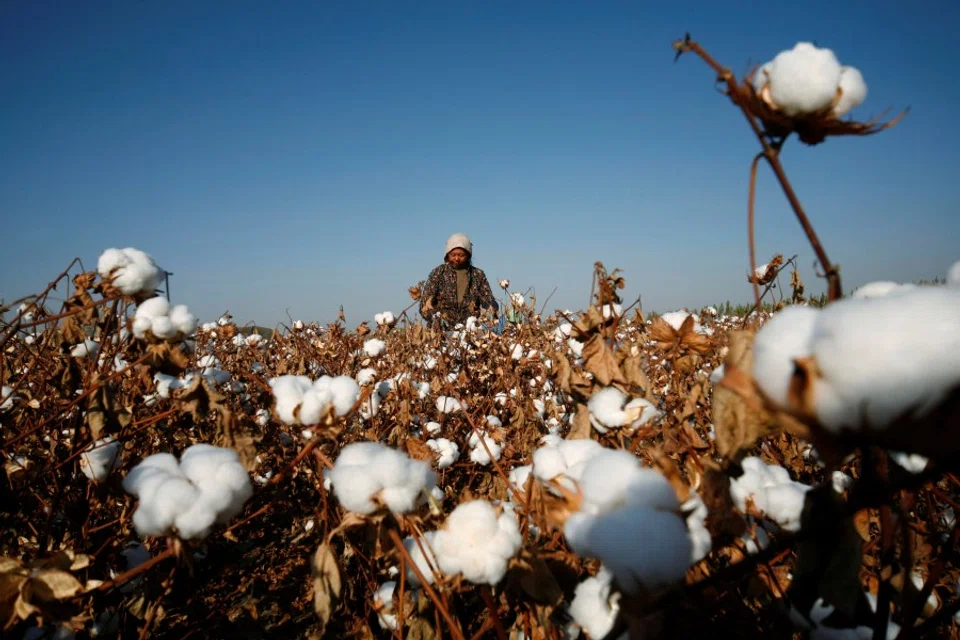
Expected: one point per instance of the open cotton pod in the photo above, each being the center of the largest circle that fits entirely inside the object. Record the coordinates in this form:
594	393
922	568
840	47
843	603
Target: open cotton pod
882	371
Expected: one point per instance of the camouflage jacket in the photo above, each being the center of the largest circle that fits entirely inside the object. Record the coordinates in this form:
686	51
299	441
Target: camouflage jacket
438	300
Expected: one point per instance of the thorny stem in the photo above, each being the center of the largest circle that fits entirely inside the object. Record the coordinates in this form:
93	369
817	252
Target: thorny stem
772	154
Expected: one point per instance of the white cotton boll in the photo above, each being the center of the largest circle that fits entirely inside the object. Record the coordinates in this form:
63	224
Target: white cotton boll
700	539
785	504
840	481
366	376
416	549
606	409
446	404
804	80
477	543
374	347
184	321
881	358
86	349
661	559
158	510
384	319
163	328
911	462
593	607
479	453
371	406
676	319
365	470
562	332
614	478
548	463
345	392
516	352
432	428
519	475
100	459
154	307
262	417
881	288
132	270
447	451
493	422
853	88
779	342
761	77
576	347
953	275
539	407
288	392
383	602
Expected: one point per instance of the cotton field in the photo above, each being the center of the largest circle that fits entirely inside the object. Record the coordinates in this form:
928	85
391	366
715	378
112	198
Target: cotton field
789	472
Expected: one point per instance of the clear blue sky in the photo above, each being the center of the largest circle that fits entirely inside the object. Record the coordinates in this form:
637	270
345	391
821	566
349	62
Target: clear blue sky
304	155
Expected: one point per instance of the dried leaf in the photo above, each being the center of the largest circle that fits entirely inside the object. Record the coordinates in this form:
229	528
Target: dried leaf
419	629
636	379
580	429
326	583
199	398
418	450
52	584
599	360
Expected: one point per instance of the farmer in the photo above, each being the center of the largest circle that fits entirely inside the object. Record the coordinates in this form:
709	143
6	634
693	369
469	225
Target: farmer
456	289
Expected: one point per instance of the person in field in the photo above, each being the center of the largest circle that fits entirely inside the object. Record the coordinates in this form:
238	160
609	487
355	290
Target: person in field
456	289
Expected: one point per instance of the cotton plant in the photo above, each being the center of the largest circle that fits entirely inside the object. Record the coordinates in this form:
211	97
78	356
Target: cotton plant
595	605
207	486
155	318
385	319
447	451
86	349
448	404
369	476
869	362
771	490
676	319
374	347
302	401
807	80
100	459
476	542
130	270
611	408
484	449
618	503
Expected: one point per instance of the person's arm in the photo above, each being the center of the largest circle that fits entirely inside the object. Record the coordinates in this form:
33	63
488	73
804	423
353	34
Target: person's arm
429	294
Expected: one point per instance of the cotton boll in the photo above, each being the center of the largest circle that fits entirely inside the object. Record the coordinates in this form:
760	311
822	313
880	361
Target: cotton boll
446	450
345	392
172	496
761	77
782	339
86	349
132	271
288	392
6	398
606	409
615	478
183	321
366	376
477	543
785	504
416	550
480	454
700	539
662	558
447	404
365	470
100	459
548	463
374	347
804	80
163	328
593	607
383	603
883	357
519	475
853	88
155	307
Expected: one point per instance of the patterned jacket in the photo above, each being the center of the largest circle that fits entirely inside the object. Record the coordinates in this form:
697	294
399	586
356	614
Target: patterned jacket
438	300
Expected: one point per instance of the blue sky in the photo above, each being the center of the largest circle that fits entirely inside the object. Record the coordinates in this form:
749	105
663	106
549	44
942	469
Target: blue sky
303	155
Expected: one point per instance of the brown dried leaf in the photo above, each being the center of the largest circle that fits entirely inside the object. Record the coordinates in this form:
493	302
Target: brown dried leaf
664	335
52	584
199	398
580	428
589	323
326	583
636	378
167	358
10	584
418	450
599	360
419	629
